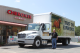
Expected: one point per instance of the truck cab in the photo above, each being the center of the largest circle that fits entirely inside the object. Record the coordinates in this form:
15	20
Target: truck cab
35	34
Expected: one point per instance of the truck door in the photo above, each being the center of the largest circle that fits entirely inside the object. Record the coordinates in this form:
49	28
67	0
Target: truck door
45	31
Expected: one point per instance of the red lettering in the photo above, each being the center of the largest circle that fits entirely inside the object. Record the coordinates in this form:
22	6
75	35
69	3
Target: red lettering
18	14
12	38
29	16
9	11
25	15
14	13
22	15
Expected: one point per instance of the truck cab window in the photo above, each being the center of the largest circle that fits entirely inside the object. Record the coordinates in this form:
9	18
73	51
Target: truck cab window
46	26
34	26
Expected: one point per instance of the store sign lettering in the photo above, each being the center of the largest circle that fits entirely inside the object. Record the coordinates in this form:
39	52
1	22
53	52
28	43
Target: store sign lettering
19	18
19	14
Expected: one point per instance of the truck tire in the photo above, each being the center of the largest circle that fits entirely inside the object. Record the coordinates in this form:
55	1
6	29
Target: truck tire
37	42
68	41
65	42
21	45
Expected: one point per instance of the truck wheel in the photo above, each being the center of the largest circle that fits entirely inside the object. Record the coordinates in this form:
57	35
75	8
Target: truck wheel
21	45
37	42
65	42
68	41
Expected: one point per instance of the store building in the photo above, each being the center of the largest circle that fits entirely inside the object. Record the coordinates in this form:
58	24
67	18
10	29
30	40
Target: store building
12	21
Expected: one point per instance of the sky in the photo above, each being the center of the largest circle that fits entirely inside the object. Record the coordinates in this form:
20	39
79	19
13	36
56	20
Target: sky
66	8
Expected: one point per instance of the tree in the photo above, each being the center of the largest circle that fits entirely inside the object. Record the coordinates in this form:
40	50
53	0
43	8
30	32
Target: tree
77	30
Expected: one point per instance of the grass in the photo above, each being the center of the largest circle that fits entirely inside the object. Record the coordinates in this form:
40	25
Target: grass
78	42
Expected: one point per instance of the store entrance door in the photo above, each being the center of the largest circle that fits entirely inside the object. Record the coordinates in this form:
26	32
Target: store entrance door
4	32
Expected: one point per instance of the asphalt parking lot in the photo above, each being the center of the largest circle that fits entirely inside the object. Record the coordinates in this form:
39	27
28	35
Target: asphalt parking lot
72	48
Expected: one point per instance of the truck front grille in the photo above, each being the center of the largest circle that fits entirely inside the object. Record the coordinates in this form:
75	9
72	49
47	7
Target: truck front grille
21	41
21	35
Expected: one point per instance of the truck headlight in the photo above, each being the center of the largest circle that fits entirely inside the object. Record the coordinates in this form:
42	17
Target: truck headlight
30	36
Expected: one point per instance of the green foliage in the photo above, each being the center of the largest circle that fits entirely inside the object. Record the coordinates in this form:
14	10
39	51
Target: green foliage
77	30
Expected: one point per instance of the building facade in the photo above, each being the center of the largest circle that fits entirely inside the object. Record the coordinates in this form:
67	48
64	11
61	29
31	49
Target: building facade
12	21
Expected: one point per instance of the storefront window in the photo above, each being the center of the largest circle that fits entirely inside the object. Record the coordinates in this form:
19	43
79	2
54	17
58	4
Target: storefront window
9	31
19	29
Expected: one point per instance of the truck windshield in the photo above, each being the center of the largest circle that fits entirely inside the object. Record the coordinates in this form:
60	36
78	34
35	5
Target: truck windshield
33	27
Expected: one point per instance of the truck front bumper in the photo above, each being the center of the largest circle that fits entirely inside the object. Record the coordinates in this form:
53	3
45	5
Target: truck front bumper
26	41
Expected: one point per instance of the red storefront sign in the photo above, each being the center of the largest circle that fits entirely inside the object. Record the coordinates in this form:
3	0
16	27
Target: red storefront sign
19	14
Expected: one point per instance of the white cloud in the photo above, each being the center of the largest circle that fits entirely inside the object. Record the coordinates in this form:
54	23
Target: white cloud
17	1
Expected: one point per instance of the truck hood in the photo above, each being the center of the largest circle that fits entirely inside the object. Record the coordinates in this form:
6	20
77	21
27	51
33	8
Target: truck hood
27	32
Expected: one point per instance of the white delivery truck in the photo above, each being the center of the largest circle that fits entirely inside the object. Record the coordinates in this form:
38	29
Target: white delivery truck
38	32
